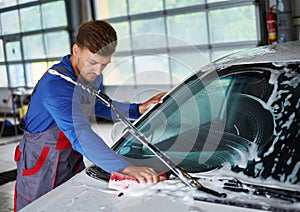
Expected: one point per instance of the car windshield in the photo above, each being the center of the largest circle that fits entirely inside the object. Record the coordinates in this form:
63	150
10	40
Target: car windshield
245	118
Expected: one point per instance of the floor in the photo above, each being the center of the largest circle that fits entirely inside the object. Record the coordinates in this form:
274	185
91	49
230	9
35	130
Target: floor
8	166
7	148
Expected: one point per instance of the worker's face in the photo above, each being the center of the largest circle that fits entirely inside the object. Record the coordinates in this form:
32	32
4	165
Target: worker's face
87	64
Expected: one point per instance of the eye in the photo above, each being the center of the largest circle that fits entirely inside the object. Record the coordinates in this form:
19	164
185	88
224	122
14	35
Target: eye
92	62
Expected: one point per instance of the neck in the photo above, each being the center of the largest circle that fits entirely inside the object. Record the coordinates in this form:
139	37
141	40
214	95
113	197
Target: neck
75	69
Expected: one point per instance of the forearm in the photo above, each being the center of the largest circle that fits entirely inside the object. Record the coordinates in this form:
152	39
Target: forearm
126	109
91	146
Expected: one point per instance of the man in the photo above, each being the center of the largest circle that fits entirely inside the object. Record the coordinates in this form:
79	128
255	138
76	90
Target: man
57	133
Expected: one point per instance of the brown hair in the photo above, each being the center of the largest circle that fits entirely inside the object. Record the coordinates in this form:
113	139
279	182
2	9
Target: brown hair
98	36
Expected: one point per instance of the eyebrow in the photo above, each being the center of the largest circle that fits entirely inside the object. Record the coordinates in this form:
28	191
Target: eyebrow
94	61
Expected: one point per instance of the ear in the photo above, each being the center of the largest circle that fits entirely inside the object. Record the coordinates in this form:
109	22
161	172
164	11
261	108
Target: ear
75	49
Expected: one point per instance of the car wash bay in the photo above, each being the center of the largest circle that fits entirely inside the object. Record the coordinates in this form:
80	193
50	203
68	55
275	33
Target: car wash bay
202	24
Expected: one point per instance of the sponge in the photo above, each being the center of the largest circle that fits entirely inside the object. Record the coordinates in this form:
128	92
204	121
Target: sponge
120	182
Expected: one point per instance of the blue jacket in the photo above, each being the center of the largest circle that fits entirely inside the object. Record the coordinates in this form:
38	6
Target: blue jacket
56	101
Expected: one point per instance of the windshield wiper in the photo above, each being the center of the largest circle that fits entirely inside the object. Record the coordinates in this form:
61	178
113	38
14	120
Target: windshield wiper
284	194
234	184
184	176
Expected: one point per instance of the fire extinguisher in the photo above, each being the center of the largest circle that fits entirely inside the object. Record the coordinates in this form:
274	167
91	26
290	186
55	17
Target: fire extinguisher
271	19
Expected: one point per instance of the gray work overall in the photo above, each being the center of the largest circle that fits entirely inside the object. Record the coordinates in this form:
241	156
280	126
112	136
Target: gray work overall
47	160
44	161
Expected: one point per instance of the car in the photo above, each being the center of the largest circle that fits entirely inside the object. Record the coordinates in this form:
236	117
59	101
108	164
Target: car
232	127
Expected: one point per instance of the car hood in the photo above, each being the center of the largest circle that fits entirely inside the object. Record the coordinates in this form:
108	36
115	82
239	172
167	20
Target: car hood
84	193
277	53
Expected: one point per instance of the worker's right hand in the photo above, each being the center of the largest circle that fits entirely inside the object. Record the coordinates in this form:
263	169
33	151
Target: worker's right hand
154	100
143	174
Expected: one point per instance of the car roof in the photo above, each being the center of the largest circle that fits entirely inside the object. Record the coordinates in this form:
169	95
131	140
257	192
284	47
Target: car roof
277	53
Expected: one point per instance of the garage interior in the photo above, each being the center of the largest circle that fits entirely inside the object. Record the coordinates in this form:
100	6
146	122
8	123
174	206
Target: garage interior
153	36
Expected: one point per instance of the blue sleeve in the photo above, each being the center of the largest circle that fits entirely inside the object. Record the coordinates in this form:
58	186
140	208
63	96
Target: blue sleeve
128	110
63	103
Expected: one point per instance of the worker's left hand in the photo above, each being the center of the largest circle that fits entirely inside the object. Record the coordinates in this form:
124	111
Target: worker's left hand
154	100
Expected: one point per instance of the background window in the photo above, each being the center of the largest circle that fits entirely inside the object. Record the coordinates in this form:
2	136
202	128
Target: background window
3	78
142	31
120	71
57	43
1	51
193	32
233	24
34	71
16	75
13	51
54	14
182	3
31	18
7	3
143	6
152	69
124	42
185	63
188	34
111	8
212	1
25	1
34	51
34	35
10	22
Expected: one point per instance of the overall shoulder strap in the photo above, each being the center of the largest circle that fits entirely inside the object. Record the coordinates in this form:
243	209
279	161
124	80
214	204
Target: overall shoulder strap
57	68
61	69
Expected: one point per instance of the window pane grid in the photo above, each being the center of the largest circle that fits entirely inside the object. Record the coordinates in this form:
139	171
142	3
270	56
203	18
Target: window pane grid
180	24
10	22
30	18
3	78
32	34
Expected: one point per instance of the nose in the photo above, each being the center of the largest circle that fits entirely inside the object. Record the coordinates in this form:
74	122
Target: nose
102	67
99	68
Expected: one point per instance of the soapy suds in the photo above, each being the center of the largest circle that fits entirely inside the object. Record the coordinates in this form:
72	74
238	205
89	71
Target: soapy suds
279	105
283	104
176	189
